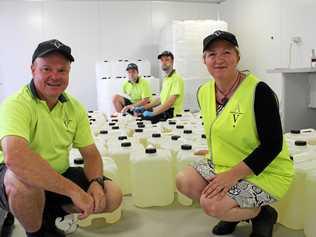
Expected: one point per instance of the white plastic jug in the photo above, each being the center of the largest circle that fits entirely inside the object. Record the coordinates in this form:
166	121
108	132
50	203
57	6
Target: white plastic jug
308	135
185	157
156	139
309	217
121	155
298	147
151	178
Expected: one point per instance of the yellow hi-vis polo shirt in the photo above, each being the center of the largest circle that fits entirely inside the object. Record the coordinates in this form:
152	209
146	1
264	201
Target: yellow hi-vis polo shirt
49	133
173	85
137	91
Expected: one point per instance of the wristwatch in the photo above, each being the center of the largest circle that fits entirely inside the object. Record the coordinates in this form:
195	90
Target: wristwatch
100	180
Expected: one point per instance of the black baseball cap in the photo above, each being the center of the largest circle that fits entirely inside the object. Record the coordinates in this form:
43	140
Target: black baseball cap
132	66
50	46
219	34
166	53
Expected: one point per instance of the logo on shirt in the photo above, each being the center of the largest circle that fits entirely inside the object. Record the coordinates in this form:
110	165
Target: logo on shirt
236	115
66	121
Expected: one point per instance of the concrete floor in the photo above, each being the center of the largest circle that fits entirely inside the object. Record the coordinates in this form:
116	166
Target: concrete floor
171	221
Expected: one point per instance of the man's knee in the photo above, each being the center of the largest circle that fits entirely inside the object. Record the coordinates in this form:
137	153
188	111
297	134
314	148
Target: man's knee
116	98
16	189
114	196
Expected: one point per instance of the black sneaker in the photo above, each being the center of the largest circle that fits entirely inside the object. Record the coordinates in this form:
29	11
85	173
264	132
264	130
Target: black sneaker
262	225
7	226
224	228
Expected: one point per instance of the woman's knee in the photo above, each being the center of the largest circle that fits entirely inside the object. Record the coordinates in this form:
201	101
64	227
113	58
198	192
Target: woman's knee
211	207
190	183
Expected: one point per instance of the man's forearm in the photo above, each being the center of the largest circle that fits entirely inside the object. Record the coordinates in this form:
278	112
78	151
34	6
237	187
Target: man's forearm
93	165
93	168
35	171
141	102
153	103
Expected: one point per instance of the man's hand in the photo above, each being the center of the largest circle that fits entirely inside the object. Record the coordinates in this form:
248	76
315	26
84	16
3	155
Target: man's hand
148	114
127	108
139	109
84	202
98	195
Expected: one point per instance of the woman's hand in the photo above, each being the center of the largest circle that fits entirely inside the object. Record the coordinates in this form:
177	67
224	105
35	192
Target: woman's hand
220	184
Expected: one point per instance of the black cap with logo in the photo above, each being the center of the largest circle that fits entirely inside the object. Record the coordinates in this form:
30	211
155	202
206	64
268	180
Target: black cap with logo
219	34
50	46
132	66
166	54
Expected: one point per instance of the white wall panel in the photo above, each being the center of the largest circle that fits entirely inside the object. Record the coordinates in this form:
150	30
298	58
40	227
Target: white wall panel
21	28
76	24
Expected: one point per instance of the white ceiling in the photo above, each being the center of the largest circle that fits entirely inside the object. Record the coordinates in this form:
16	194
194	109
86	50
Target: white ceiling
180	1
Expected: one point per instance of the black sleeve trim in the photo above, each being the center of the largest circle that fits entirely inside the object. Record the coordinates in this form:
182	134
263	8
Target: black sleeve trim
269	129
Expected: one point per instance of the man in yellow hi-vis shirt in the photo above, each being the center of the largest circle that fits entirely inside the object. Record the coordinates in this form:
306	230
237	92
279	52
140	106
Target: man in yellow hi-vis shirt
136	88
171	98
38	126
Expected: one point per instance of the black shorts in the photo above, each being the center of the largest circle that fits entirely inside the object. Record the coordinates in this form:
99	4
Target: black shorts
75	174
127	101
160	117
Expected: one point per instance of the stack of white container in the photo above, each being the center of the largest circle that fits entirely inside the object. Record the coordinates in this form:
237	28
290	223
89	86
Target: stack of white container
111	75
184	39
147	156
303	151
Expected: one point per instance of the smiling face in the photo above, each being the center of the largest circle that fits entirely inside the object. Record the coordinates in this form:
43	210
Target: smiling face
221	59
51	76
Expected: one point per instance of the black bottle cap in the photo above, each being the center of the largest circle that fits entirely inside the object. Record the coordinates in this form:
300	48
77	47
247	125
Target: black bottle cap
141	125
178	115
187	110
203	136
180	127
187	131
150	150
138	130
300	143
156	135
122	138
104	132
295	131
115	127
126	144
78	161
175	137
111	124
171	122
186	147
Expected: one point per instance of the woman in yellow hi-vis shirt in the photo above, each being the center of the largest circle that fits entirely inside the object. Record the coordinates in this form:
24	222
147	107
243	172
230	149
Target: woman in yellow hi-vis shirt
249	166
